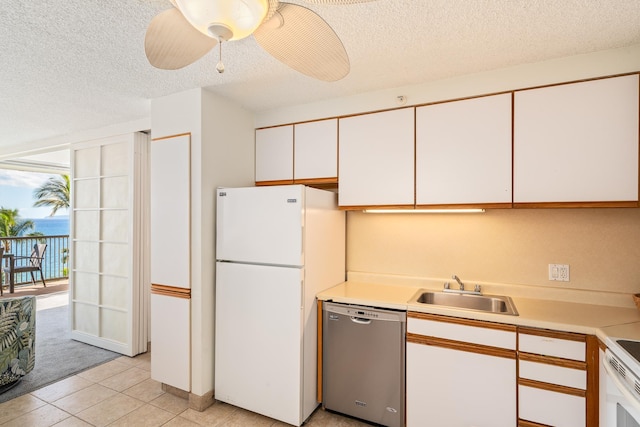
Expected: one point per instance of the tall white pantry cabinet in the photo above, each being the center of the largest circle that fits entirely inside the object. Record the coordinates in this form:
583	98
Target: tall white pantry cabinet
171	261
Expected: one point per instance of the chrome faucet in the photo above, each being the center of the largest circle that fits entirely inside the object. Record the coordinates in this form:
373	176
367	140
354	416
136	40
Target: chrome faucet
457	279
447	287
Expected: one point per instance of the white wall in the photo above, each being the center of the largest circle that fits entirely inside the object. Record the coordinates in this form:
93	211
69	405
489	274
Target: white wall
603	63
505	246
177	114
225	160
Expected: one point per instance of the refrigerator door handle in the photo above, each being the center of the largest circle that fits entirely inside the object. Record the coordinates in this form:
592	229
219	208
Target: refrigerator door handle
360	320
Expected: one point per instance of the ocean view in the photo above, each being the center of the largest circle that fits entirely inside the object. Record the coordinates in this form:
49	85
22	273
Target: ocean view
54	265
52	226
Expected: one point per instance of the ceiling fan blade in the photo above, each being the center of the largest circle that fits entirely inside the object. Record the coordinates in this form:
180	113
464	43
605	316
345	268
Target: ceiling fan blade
172	43
301	39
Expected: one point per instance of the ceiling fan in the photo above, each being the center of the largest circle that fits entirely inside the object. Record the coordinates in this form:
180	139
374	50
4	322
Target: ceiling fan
291	33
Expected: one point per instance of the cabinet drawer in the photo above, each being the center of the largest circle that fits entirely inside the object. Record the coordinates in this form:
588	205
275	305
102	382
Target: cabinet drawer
551	408
547	344
468	331
569	377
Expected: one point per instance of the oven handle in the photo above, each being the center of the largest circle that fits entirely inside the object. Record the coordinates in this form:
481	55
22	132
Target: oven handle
632	400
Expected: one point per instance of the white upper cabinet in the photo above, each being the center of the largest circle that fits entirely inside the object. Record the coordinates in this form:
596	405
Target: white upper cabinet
316	150
304	152
577	142
376	165
463	152
274	154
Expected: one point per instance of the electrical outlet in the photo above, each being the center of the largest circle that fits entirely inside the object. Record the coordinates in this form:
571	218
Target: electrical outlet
559	272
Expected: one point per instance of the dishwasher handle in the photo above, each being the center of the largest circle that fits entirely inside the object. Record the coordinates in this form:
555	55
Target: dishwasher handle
360	320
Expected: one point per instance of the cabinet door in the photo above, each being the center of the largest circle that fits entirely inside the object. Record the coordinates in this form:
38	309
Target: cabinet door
274	154
170	213
548	407
316	150
452	388
463	152
171	349
376	161
577	142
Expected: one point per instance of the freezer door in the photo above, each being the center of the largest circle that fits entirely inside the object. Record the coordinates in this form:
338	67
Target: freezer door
260	225
258	341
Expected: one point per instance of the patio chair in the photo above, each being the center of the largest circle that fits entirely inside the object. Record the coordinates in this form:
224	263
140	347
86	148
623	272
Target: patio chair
24	264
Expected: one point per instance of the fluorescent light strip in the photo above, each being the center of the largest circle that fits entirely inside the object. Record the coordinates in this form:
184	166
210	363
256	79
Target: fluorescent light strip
422	211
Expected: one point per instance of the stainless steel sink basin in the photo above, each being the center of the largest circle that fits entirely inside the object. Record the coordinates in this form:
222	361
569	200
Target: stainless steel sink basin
487	303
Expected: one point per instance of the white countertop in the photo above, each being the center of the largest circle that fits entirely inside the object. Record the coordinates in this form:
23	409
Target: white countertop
601	320
626	331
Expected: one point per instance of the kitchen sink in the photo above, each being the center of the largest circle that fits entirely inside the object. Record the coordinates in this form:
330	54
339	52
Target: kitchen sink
500	304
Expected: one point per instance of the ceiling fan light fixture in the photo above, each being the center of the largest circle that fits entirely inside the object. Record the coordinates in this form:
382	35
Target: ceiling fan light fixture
224	19
220	32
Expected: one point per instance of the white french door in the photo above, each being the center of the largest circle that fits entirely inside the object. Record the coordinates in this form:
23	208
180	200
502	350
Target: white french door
108	254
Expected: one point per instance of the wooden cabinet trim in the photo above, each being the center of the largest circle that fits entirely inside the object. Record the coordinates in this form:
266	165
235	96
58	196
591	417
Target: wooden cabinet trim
571	205
172	136
552	387
462	321
525	423
592	79
593	381
363	207
171	291
317	181
461	346
555	361
278	182
276	126
468	206
569	336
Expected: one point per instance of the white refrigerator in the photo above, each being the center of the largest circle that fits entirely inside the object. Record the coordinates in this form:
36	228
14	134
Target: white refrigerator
276	248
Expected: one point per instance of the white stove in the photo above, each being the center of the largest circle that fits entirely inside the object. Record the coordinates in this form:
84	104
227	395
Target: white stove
621	403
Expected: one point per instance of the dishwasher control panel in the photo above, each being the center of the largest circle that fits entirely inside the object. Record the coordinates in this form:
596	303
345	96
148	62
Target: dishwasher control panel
334	310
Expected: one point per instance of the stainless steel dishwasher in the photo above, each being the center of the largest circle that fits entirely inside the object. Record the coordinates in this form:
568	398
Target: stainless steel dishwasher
363	362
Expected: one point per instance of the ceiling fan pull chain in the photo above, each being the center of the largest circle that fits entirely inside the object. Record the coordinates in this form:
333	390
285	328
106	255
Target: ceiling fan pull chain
220	65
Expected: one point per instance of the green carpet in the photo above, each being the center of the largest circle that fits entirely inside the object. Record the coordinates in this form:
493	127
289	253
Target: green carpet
57	355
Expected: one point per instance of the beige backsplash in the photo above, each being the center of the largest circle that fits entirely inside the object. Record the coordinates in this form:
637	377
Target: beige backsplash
506	249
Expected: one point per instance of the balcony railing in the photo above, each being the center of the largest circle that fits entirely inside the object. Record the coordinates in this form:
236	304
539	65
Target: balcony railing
55	265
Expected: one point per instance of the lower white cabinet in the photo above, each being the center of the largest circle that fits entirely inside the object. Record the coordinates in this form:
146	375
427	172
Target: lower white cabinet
454	383
555	370
551	408
170	338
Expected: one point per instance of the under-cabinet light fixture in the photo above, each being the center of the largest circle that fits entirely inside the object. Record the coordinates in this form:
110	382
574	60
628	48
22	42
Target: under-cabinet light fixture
422	211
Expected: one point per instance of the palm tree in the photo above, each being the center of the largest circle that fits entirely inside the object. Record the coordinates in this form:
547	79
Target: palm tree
11	225
54	192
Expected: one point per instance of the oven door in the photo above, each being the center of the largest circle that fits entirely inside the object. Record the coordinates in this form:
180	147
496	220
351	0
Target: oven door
622	408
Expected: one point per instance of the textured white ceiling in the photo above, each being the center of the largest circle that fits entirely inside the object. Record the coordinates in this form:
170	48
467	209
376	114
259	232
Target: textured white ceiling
74	65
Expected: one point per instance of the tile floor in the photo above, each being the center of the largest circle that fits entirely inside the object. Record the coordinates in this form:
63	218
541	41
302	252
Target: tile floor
122	393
